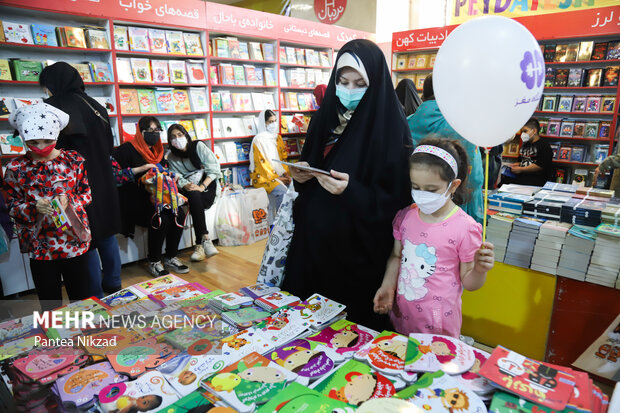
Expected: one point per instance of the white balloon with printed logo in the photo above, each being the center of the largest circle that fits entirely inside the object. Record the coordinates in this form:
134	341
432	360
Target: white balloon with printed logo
488	79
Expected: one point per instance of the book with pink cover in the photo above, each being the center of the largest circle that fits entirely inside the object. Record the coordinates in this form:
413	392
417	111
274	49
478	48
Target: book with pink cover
45	364
160	283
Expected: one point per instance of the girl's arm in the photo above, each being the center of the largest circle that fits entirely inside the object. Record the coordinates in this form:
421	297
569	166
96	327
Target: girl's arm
474	273
21	210
80	194
210	163
384	298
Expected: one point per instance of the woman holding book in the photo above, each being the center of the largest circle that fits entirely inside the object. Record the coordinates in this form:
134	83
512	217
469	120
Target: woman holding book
343	236
268	146
89	133
131	161
199	173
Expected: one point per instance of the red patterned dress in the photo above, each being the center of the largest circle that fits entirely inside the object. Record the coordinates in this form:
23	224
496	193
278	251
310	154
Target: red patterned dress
27	181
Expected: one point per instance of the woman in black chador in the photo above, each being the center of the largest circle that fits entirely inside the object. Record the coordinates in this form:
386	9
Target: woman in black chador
343	222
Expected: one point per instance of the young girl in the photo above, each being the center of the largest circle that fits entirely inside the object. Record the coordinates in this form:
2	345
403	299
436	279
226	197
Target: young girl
30	184
438	248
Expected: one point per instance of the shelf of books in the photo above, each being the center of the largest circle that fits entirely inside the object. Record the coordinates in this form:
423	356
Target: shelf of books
414	65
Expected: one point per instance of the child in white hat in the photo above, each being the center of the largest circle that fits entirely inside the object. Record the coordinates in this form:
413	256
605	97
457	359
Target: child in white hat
31	182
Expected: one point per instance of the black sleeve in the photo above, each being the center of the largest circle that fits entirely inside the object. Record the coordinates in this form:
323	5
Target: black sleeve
544	156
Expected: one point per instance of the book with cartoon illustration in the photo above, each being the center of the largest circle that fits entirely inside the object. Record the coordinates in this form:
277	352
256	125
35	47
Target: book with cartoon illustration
180	292
230	301
472	380
299	398
277	300
319	311
185	372
160	283
124	296
531	379
193	402
243	343
354	383
151	391
386	353
432	352
258	290
309	360
282	327
346	337
441	393
249	382
245	317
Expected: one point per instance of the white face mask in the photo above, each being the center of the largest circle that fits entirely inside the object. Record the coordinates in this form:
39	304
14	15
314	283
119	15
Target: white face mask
272	127
429	202
180	143
525	137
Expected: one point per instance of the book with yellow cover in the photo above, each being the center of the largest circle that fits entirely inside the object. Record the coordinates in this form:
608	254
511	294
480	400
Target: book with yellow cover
181	101
421	61
5	70
75	37
129	101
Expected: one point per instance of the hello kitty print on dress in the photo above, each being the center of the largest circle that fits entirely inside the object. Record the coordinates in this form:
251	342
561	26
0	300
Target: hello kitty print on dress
417	264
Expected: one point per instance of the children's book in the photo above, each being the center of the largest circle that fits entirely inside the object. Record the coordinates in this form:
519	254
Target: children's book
163	99
180	292
245	342
226	101
44	34
17	33
233	47
599	357
151	390
185	372
354	383
585	51
135	359
100	72
195	401
221	47
277	300
309	360
160	71
528	378
344	336
431	352
96	39
16	346
201	128
230	301
250	382
123	296
613	51
11	144
198	99
138	39
216	102
27	70
255	51
84	71
161	283
181	101
146	100
318	310
80	387
157	41
195	72
386	353
45	365
245	317
178	73
258	290
121	41
282	327
441	393
176	44
298	398
141	70
193	45
189	127
5	70
123	70
268	52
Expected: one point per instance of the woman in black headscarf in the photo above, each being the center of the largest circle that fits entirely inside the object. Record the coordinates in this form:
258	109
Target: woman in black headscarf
343	222
91	136
408	97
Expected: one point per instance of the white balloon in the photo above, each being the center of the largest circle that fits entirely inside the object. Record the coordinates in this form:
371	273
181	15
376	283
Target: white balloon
488	79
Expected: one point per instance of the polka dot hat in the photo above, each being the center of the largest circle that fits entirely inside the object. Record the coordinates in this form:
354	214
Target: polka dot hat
40	121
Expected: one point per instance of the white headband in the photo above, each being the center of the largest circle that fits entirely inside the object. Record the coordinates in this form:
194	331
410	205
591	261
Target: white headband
440	153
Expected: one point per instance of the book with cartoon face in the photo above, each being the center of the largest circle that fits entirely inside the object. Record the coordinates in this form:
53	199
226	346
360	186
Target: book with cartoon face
135	359
230	301
249	382
277	300
282	327
439	392
124	296
245	317
344	336
354	383
432	352
148	393
472	380
299	398
258	290
160	283
386	353
185	372
309	360
45	365
243	343
194	402
318	310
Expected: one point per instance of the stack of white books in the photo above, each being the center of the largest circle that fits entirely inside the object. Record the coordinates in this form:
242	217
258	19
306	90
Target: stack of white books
576	253
549	246
604	266
521	241
498	231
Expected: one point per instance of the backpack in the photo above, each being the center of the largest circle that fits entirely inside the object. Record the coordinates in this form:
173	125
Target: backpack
162	187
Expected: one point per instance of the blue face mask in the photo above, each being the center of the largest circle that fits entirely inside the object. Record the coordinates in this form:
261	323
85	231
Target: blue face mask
350	98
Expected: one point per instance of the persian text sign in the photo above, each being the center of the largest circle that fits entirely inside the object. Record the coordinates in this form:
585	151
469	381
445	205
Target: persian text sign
420	39
459	11
329	11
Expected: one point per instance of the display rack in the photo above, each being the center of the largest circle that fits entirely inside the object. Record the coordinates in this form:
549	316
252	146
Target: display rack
550	30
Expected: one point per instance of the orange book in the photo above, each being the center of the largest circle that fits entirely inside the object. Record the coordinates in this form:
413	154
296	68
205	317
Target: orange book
129	101
75	37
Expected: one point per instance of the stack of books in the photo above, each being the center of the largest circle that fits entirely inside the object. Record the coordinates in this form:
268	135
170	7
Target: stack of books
582	212
542	209
498	231
549	246
548	195
522	240
508	202
558	187
605	263
611	213
576	252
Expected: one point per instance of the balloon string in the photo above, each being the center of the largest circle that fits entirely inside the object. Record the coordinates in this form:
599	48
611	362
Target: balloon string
486	195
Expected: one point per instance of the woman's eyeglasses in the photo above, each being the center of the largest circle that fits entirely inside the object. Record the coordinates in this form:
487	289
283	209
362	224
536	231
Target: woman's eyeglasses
153	130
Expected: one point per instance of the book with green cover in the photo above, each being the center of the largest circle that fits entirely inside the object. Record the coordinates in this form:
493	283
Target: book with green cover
146	100
297	398
26	70
192	402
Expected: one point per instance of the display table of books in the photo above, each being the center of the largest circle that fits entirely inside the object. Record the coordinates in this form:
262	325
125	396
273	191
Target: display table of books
166	345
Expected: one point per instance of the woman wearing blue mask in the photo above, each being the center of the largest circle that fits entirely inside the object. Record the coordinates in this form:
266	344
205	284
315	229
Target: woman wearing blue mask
343	235
267	145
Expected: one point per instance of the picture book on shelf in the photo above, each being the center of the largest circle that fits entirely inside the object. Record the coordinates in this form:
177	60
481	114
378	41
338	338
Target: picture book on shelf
571	52
101	72
565	153
175	42
198	99
553	127
578	131
5	70
610	77
593	104
561	78
121	41
17	33
575	77
141	70
585	51
123	70
565	104
560	53
528	378
163	99
157	41
608	103
160	71
549	53
84	71
600	153
193	45
579	104
593	78
178	73
138	39
577	153
600	51
96	39
613	50
591	130
555	148
129	101
244	51
548	103
566	130
44	34
195	72
255	52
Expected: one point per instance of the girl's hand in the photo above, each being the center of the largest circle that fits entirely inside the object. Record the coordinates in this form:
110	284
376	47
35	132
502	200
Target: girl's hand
334	184
484	258
299	175
517	169
286	180
597	172
191	187
62	199
44	207
384	298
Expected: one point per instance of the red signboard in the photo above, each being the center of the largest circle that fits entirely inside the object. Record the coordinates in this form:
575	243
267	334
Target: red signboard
591	22
329	11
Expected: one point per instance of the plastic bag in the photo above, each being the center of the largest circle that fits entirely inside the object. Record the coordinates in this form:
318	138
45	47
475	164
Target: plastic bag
274	259
256	205
231	224
4	242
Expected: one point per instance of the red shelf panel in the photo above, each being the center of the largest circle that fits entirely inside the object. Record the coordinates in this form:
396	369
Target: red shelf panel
232	59
297	110
170	55
305	66
246	86
575	138
577	113
164	114
297	88
426	69
165	84
583	62
224	138
37	46
581	87
232	112
34	82
235	163
576	163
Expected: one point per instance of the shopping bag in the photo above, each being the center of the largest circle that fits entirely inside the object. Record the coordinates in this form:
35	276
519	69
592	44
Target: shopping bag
162	187
231	223
272	266
256	205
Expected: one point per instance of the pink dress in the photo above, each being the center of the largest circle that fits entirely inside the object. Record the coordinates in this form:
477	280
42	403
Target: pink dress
428	297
